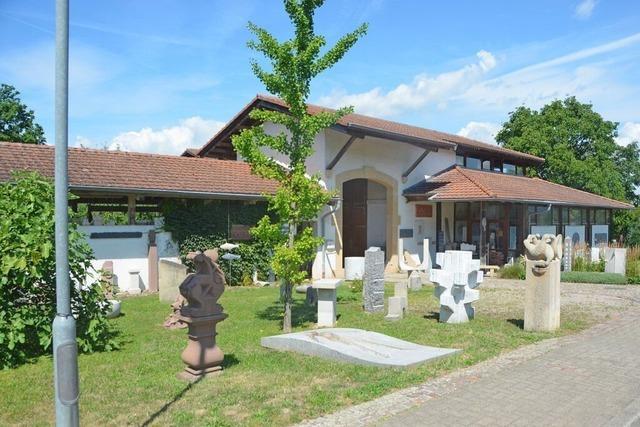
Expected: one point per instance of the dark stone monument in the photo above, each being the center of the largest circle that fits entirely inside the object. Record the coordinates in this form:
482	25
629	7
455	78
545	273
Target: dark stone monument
202	313
373	280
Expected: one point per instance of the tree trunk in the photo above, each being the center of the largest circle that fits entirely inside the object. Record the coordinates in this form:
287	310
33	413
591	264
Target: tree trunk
286	321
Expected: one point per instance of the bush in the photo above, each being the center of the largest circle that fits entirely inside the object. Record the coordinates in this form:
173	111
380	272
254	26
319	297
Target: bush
254	256
513	271
593	277
27	276
583	264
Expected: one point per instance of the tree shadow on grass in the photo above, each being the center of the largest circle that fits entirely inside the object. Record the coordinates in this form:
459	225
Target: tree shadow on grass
301	313
434	315
517	322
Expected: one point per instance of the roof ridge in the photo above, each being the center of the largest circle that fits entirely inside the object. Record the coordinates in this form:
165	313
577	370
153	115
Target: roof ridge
477	184
582	191
117	152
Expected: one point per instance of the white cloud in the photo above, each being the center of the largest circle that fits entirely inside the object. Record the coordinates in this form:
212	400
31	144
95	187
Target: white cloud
421	91
482	131
191	132
584	9
628	133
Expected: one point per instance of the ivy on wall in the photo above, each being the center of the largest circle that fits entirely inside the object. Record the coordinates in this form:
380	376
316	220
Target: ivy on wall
197	225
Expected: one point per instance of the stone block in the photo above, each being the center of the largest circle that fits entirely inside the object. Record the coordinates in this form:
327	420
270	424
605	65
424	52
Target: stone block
170	275
396	308
326	289
373	280
415	281
542	297
400	290
615	260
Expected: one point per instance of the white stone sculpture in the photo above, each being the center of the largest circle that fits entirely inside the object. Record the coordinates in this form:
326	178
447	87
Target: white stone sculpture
327	301
396	308
455	281
615	260
543	256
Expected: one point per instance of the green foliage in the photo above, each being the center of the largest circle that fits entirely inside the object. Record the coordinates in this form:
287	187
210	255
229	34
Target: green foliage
514	271
580	151
356	286
254	256
299	198
184	218
593	277
584	264
17	122
27	276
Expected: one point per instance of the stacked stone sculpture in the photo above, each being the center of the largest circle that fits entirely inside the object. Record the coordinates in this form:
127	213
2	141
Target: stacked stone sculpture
455	281
543	257
202	313
373	280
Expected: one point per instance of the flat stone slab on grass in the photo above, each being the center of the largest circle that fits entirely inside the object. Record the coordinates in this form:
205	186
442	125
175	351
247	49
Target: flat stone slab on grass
358	347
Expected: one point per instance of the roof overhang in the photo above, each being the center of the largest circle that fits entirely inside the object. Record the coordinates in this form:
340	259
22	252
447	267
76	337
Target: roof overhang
97	190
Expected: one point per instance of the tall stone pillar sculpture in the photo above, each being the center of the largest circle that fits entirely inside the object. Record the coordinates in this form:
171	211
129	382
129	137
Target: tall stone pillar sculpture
152	262
456	281
202	313
543	257
373	280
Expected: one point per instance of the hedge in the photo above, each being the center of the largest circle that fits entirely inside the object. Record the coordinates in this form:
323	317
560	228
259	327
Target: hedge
593	277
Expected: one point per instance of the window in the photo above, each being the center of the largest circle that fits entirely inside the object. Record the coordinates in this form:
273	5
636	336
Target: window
539	215
486	165
497	166
601	216
473	163
520	170
508	168
577	216
460	160
461	210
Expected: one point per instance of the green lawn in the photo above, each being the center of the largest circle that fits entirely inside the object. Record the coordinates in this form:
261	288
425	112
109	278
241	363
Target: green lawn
138	384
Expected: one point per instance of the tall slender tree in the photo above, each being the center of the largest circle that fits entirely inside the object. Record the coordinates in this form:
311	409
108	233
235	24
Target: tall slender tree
299	198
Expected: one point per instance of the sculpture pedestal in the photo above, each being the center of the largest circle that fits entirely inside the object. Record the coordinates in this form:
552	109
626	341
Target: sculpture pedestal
327	301
202	356
542	297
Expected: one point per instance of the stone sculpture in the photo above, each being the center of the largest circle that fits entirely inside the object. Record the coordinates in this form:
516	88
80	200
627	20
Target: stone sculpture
615	260
455	281
373	280
396	308
202	313
543	250
543	256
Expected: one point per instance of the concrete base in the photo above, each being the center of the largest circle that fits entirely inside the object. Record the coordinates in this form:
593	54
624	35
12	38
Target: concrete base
542	297
193	375
358	347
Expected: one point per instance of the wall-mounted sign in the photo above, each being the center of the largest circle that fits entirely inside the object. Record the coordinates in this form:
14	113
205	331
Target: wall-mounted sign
239	232
406	233
424	211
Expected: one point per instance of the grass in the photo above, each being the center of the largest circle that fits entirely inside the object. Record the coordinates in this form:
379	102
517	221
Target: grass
138	384
593	277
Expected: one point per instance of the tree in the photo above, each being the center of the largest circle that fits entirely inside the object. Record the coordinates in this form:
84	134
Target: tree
28	274
580	151
299	198
17	122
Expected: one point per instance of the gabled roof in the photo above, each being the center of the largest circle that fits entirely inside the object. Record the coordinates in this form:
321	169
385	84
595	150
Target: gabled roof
461	184
126	172
367	125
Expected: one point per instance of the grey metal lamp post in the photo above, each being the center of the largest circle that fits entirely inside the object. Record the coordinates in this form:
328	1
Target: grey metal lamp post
65	349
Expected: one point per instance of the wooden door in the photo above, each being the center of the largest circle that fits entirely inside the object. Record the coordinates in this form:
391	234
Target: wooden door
354	217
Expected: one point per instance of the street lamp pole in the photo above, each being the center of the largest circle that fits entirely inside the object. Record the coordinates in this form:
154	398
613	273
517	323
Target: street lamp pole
65	349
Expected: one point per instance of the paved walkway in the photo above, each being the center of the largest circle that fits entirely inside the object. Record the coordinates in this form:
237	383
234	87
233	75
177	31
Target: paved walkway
591	378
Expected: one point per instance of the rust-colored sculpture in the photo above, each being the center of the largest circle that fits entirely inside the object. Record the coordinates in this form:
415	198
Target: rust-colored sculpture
202	313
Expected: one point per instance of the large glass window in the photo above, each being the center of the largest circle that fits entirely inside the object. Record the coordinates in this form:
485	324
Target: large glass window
508	169
601	216
486	165
460	160
473	163
461	210
519	170
539	215
577	216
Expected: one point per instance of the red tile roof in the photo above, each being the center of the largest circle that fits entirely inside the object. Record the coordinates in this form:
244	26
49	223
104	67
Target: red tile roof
362	122
457	183
120	171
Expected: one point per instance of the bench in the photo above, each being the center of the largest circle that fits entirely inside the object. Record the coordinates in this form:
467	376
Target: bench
490	269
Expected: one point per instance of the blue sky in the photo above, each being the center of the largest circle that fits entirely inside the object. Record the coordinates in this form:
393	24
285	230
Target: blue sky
160	76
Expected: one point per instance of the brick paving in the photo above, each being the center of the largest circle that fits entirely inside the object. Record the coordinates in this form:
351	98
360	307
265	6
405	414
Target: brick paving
591	378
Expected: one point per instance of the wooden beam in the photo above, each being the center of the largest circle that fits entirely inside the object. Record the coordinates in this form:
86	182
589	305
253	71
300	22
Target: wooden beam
415	165
343	150
131	209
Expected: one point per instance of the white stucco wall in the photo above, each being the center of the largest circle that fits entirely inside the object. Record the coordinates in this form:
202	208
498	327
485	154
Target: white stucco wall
128	253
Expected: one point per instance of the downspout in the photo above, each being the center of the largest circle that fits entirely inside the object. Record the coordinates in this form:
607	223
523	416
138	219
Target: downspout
332	212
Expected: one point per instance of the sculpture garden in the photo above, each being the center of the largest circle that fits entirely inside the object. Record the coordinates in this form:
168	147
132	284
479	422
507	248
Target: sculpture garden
138	383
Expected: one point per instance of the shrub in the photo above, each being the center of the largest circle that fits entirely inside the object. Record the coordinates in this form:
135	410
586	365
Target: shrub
583	264
27	276
593	277
513	271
